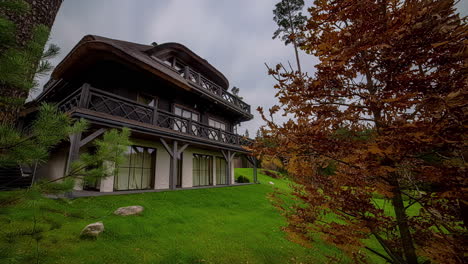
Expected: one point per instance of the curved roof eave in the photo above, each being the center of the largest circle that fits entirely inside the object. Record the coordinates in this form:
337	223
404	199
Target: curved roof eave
130	52
181	48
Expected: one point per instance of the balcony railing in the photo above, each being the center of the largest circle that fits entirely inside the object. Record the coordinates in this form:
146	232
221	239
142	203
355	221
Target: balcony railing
205	84
104	102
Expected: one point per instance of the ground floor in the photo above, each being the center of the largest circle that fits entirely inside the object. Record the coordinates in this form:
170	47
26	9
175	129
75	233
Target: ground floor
154	163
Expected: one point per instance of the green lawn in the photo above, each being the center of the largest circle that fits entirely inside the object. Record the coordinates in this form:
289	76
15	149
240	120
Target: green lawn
218	225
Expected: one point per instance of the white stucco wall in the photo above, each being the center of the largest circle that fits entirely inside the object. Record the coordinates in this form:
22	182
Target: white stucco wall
163	161
107	184
55	168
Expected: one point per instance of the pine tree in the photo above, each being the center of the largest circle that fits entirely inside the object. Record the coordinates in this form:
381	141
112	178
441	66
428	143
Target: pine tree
259	134
289	18
246	133
24	30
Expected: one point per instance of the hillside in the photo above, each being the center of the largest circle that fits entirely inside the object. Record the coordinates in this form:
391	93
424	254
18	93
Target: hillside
217	225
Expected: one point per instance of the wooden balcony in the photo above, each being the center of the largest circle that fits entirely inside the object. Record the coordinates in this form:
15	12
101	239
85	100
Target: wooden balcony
204	84
114	105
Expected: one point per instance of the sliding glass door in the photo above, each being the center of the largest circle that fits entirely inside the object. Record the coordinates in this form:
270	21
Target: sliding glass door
202	170
221	171
137	172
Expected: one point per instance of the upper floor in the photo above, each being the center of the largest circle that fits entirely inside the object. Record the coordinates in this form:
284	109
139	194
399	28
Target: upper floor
165	85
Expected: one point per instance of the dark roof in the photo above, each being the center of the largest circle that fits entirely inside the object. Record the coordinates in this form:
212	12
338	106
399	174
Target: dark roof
142	54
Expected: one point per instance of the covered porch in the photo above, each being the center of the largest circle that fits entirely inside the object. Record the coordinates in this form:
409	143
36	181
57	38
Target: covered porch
158	162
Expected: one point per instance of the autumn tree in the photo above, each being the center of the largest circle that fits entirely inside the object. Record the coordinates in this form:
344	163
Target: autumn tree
377	136
289	18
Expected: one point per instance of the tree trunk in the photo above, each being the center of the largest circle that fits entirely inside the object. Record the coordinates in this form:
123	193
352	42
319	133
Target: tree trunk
406	239
41	12
297	57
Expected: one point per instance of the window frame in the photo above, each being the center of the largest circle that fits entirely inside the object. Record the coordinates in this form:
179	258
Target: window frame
219	121
210	169
223	136
188	109
131	169
218	170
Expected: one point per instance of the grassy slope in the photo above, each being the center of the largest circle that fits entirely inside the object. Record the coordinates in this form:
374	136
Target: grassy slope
220	225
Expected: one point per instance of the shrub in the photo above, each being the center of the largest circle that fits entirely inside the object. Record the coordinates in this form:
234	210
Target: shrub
242	179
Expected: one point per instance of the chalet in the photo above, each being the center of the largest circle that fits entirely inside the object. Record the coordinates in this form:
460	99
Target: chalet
177	105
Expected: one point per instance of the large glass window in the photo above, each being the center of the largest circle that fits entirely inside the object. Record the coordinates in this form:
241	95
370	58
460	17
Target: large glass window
179	125
221	171
202	170
218	125
137	172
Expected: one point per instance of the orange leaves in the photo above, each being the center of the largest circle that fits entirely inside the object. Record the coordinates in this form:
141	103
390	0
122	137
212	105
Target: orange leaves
435	45
274	109
375	149
387	106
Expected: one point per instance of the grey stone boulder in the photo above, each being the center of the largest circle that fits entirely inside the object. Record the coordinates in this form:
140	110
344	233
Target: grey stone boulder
92	230
129	210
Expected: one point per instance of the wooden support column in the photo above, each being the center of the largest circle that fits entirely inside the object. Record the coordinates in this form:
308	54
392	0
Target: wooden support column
76	143
253	160
74	151
155	112
173	173
229	156
84	98
176	154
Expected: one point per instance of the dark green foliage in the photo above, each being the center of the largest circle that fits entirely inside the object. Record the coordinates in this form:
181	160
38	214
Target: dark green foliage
50	127
20	59
289	18
7	28
109	155
16	6
242	179
16	62
45	187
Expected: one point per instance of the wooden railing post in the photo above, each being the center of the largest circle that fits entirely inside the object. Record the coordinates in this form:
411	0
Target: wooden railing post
187	72
219	135
189	127
155	112
199	79
84	97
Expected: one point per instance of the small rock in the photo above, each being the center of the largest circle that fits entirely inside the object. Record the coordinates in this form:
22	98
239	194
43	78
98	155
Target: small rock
272	183
129	210
92	230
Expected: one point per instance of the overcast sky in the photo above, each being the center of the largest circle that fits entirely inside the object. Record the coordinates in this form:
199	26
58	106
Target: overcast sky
234	36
